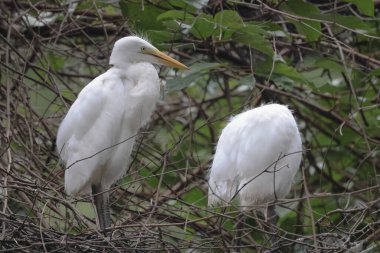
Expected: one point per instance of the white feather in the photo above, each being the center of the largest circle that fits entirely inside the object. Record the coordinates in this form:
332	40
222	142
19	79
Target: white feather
96	137
251	147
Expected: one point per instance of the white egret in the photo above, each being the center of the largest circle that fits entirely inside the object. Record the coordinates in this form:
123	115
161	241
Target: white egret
95	138
257	156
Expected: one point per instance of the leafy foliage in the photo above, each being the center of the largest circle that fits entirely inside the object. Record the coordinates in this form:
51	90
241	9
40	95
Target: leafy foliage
319	57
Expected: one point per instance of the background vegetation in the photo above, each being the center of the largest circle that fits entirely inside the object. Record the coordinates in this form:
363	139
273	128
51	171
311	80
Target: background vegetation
320	57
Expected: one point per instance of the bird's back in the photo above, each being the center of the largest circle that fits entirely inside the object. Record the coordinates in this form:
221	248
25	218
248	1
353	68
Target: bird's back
257	156
87	132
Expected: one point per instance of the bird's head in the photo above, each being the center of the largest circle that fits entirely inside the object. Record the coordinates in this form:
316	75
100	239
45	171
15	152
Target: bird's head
133	49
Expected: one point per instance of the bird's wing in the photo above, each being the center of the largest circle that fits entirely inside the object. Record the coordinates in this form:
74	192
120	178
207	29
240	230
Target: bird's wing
89	130
266	160
251	147
223	179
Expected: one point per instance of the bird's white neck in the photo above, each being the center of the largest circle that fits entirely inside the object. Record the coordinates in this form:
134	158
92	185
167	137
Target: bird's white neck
121	66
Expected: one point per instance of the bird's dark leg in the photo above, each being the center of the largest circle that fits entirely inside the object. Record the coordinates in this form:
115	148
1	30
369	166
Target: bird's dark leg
272	220
239	229
101	199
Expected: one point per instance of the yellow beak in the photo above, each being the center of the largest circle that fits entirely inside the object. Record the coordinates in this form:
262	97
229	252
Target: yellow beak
165	59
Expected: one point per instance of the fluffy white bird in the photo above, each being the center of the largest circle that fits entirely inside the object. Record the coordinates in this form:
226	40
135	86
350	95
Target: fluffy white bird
96	137
256	158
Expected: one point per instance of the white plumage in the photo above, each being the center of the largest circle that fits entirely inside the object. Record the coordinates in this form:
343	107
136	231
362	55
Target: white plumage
256	158
96	137
98	132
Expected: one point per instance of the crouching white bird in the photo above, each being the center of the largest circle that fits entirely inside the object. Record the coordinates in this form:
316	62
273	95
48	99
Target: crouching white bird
95	138
256	158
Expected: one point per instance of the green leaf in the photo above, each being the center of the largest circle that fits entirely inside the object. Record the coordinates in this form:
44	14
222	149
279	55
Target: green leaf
375	72
146	174
197	70
203	67
248	80
273	29
292	73
197	4
180	83
203	26
351	22
124	8
366	7
228	18
302	8
156	37
195	196
227	22
141	17
329	64
311	29
41	98
86	209
180	5
265	68
176	20
172	15
253	36
56	62
68	94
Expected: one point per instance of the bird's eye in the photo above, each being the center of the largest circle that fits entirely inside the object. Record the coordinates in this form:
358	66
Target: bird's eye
143	49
